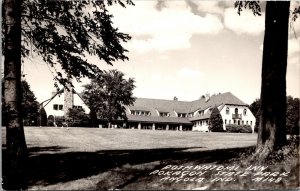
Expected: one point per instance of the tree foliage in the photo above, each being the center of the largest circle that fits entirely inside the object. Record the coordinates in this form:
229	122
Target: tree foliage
252	5
77	117
107	94
30	106
254	107
292	113
216	121
76	113
64	32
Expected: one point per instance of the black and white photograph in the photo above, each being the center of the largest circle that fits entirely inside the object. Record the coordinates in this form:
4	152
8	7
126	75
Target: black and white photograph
150	95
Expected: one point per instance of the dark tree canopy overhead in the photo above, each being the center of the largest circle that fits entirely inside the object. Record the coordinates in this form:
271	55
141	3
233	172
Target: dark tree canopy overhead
64	32
252	5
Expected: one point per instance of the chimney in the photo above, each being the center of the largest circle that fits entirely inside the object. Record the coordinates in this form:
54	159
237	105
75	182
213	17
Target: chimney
53	93
207	97
68	98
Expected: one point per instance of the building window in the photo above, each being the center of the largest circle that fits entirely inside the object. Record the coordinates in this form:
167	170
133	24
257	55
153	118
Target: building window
234	121
164	114
229	121
236	111
227	110
183	115
143	113
251	123
247	122
242	122
60	107
245	111
225	121
202	112
55	106
77	107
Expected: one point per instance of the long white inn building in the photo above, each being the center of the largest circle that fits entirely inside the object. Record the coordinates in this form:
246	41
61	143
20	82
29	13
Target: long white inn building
158	114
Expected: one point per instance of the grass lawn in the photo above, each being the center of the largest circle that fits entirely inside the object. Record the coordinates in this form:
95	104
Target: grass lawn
88	158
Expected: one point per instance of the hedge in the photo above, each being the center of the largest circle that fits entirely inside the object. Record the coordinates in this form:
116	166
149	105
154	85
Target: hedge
232	128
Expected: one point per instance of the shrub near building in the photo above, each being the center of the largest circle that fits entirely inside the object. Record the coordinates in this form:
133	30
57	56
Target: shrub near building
216	121
233	128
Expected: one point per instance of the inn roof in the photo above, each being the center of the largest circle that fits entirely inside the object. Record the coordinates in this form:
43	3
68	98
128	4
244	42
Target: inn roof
147	104
217	100
162	105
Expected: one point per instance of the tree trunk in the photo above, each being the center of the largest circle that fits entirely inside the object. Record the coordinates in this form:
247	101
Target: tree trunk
16	150
272	131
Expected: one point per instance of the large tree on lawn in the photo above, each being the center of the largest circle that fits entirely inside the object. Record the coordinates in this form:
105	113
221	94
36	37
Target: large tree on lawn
107	94
272	119
62	33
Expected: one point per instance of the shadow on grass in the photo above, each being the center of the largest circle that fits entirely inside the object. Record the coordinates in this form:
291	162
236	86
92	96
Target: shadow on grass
57	167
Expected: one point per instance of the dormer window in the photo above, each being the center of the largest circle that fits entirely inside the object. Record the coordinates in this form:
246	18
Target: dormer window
164	114
201	112
141	113
245	111
183	115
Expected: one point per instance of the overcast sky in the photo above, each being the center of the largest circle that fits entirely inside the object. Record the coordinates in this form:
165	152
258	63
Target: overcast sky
186	49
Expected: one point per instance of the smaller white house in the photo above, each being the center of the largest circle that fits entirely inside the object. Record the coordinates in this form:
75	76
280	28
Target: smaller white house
60	102
232	110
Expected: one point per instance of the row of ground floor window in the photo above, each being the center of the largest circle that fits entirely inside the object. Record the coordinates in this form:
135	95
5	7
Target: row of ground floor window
202	124
234	121
149	126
